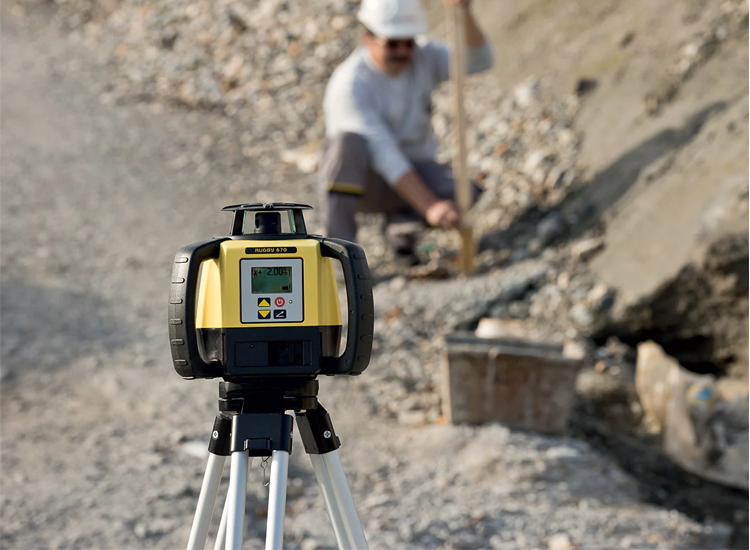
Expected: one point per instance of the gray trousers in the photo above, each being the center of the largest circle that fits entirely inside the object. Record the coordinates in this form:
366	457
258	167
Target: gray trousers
350	185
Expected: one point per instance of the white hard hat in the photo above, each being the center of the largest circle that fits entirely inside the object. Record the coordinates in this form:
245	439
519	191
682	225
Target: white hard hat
393	18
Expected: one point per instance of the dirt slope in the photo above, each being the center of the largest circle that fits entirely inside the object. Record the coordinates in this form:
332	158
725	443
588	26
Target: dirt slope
694	149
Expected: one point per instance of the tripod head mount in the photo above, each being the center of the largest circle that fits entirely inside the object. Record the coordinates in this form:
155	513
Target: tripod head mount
269	396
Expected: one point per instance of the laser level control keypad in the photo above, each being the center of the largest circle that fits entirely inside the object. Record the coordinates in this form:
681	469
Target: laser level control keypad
271	290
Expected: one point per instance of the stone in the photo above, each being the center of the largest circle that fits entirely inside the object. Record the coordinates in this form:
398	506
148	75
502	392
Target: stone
412	418
196	449
141	530
305	158
700	431
501	328
310	543
550	228
574	350
585	86
560	541
585	249
653	369
398	283
533	160
581	316
524	93
554	178
601	297
563	281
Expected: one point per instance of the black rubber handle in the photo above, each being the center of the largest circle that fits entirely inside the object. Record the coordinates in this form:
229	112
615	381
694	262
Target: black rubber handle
186	352
359	334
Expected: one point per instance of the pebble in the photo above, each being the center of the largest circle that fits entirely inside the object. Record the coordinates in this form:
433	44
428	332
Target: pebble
560	541
582	316
524	93
574	350
196	449
311	544
585	249
601	297
550	228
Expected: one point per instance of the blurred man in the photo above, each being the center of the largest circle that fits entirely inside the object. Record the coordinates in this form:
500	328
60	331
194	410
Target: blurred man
380	148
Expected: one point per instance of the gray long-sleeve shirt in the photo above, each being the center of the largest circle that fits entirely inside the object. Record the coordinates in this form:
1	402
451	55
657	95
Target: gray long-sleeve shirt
393	112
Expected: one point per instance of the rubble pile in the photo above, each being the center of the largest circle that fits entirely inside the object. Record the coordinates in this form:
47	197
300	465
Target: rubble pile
522	147
265	65
724	20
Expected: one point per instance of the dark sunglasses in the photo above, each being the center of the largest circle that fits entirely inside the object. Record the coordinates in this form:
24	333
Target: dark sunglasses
392	44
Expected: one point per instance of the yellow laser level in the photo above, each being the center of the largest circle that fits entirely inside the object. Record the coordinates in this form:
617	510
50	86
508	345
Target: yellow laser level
262	302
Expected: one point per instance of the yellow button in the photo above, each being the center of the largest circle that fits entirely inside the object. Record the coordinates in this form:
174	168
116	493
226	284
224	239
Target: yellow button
263	302
264	313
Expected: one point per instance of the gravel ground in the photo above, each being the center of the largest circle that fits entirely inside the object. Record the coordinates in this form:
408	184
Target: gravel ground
103	445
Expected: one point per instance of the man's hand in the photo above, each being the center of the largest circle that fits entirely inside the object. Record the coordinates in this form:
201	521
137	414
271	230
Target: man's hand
474	36
442	214
437	212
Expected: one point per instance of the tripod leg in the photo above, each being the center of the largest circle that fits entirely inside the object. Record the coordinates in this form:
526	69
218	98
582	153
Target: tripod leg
277	500
236	500
253	433
344	500
221	534
321	442
326	489
206	501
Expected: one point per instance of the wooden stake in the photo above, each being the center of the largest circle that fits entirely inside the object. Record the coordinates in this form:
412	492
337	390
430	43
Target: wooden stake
463	190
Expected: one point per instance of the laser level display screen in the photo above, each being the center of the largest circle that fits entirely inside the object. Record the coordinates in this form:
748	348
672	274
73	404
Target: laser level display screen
271	280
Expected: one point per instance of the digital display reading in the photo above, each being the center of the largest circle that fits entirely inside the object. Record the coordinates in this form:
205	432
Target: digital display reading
271	280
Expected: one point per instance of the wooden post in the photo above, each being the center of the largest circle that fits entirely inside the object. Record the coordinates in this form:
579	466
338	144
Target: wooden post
463	188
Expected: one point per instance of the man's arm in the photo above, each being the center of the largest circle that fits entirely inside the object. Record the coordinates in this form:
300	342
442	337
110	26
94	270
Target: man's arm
478	52
474	36
437	212
392	164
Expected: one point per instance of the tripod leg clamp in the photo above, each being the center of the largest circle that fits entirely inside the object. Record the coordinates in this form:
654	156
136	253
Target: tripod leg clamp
261	434
317	433
221	436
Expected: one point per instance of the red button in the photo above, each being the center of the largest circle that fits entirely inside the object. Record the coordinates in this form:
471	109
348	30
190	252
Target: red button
279	302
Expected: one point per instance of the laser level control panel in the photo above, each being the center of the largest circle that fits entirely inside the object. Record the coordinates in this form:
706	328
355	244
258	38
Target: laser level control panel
271	291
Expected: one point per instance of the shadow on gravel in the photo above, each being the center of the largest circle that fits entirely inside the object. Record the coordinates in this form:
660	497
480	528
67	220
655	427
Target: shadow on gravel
664	484
46	328
588	203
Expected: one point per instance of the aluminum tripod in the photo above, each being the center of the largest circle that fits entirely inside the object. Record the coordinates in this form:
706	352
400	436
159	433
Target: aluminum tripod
253	422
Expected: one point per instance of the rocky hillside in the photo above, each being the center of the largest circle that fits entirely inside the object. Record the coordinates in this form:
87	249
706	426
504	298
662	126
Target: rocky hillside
663	150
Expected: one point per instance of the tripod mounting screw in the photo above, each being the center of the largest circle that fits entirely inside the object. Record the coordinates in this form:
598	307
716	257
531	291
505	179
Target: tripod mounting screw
215	434
327	434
